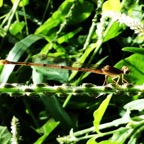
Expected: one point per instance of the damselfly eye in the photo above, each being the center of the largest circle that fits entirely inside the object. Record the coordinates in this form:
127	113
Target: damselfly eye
125	70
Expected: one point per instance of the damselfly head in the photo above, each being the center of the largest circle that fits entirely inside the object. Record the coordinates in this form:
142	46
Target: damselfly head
125	70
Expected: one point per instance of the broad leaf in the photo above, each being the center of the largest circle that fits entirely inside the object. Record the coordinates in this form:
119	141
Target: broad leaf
113	30
47	73
113	5
15	54
92	141
135	105
134	50
16	27
47	128
136	66
98	114
5	136
81	11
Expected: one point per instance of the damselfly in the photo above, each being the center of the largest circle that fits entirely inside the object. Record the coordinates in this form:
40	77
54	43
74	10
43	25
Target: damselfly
108	71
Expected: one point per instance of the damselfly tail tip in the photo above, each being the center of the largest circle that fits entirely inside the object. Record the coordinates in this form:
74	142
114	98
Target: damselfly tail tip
2	62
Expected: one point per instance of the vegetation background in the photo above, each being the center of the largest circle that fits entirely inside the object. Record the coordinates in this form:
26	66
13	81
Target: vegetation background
44	105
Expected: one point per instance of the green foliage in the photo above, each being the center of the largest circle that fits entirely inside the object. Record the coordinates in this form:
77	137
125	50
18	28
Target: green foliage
135	105
112	5
46	129
98	114
42	74
5	135
71	32
22	2
1	3
112	31
135	63
59	16
135	50
16	52
16	27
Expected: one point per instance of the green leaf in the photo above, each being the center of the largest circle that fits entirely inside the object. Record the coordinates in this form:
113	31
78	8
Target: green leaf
81	11
113	5
134	50
135	105
98	114
66	37
90	48
108	142
2	32
16	27
15	54
22	2
125	119
1	3
92	141
47	128
46	73
59	48
5	135
50	74
53	106
121	135
112	31
136	66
